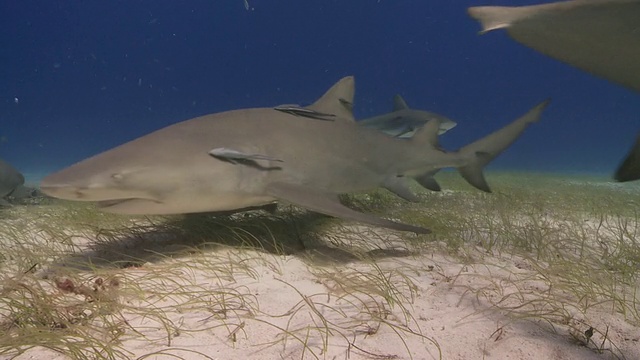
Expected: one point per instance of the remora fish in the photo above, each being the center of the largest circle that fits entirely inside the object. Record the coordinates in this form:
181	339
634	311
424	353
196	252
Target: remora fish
273	156
10	178
404	121
598	36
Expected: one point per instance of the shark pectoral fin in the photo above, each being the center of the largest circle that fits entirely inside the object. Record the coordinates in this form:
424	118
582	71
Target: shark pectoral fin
398	185
427	181
498	17
234	156
328	204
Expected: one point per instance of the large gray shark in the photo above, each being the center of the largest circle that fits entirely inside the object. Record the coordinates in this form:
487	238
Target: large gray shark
10	179
403	121
598	36
252	157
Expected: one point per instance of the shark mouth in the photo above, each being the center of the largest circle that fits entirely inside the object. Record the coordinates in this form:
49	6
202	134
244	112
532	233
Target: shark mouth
106	204
109	203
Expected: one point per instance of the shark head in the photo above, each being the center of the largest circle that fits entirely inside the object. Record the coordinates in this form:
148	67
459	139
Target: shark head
91	180
166	172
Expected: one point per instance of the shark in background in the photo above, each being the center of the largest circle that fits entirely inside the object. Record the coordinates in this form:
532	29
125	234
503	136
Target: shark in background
253	157
10	180
601	37
403	122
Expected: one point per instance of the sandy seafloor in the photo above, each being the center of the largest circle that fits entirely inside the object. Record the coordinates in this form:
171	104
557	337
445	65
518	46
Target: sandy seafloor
361	294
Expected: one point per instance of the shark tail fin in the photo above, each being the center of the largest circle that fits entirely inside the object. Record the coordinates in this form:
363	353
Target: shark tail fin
338	100
483	151
629	170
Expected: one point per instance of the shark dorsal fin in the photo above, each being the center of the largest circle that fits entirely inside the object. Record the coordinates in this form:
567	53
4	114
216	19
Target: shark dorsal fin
338	100
428	134
399	103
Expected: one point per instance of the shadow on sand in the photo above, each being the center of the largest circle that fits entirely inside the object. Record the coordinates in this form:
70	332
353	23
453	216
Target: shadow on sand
317	238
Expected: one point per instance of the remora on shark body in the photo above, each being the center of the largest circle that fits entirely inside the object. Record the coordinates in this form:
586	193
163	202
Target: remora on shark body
251	157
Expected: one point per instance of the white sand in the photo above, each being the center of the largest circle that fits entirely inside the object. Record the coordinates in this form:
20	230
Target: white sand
436	292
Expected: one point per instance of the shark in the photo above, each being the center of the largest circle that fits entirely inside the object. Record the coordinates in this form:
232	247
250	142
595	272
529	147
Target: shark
629	168
601	37
10	180
598	36
403	122
258	156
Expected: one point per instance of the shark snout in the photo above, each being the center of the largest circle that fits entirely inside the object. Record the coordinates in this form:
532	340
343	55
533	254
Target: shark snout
80	190
63	191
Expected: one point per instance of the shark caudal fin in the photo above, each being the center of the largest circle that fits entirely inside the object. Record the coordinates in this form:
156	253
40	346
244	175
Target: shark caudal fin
482	151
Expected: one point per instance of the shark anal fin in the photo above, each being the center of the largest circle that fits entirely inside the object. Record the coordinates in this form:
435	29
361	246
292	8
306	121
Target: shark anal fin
328	204
399	186
427	181
304	112
234	156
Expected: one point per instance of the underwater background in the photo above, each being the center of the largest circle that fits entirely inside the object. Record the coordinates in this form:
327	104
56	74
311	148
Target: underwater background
80	77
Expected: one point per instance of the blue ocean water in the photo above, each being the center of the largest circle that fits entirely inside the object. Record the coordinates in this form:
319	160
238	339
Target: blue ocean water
80	77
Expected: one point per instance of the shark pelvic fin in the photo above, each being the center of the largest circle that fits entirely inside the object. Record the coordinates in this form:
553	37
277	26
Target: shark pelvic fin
328	204
427	181
399	186
234	156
